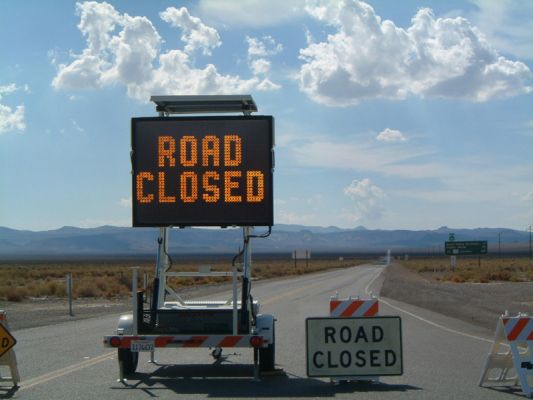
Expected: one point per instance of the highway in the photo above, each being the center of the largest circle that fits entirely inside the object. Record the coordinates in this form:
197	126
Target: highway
443	357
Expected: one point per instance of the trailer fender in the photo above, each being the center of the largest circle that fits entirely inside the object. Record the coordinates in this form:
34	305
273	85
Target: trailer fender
125	325
265	326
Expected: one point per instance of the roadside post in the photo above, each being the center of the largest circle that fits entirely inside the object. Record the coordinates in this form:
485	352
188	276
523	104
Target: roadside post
68	279
7	353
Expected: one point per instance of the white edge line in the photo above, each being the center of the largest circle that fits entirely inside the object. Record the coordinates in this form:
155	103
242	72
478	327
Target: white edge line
427	321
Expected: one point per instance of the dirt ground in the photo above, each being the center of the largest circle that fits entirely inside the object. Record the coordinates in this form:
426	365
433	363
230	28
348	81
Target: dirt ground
478	303
40	312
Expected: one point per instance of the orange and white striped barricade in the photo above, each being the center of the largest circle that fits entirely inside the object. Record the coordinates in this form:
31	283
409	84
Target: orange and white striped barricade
8	358
354	307
510	360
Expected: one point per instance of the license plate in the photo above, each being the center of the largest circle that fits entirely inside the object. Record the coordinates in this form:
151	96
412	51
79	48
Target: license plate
142	345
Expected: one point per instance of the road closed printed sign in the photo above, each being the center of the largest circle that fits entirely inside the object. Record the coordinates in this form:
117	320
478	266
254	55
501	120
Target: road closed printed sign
345	347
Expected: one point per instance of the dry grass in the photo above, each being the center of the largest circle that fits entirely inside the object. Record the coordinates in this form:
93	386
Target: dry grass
467	270
113	280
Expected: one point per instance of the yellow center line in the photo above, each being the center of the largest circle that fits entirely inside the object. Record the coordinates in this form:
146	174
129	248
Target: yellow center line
291	293
65	371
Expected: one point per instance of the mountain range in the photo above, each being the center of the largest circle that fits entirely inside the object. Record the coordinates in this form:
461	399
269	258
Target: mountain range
123	241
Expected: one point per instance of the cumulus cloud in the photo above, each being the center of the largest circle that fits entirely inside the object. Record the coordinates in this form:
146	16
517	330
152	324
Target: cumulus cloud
260	66
391	135
11	119
266	46
368	57
367	198
124	49
258	51
196	34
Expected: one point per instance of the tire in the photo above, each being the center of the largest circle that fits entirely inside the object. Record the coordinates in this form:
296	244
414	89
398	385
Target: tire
129	360
267	355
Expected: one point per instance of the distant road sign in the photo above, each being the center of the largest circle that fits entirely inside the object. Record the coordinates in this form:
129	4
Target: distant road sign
301	255
7	341
346	347
451	237
465	248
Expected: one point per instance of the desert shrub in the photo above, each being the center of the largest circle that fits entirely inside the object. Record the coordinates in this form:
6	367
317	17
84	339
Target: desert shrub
87	290
16	294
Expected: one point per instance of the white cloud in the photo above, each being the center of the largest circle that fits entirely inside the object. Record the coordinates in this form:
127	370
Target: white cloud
367	198
125	202
77	126
267	46
7	89
435	57
258	50
507	23
528	197
122	49
252	13
196	34
11	119
359	156
285	217
391	135
260	66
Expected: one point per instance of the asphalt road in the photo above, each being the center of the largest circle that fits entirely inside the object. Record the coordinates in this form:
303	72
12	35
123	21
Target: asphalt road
443	357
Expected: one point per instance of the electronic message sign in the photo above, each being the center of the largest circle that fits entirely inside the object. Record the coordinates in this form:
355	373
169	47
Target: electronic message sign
202	171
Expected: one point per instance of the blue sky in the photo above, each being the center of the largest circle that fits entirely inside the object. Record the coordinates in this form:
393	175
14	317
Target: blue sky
411	114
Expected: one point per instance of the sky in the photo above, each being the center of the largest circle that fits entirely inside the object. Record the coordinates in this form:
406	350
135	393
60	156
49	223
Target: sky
389	114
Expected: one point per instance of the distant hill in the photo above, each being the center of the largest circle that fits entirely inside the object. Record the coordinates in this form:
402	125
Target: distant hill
119	241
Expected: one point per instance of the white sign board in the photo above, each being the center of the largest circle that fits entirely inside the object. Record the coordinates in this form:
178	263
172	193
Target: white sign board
301	255
345	347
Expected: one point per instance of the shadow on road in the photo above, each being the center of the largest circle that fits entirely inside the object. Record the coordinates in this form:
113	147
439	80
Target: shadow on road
236	380
8	392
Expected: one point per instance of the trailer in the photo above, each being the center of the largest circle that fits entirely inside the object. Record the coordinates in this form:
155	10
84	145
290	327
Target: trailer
165	319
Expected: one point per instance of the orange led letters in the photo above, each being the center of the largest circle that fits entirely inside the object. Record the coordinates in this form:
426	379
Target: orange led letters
202	173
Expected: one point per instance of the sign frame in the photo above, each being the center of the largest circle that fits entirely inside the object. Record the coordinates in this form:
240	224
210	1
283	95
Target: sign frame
466	248
346	320
227	214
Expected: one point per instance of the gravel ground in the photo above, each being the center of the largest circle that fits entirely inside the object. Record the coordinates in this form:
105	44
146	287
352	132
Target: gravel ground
478	303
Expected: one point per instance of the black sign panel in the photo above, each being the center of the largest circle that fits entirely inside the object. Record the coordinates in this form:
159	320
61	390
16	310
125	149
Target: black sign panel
465	248
202	171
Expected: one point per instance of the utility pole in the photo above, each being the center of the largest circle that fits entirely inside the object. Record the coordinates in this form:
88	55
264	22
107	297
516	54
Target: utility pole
530	229
499	244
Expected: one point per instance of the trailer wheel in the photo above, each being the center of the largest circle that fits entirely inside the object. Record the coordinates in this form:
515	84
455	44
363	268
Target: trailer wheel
267	355
129	360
